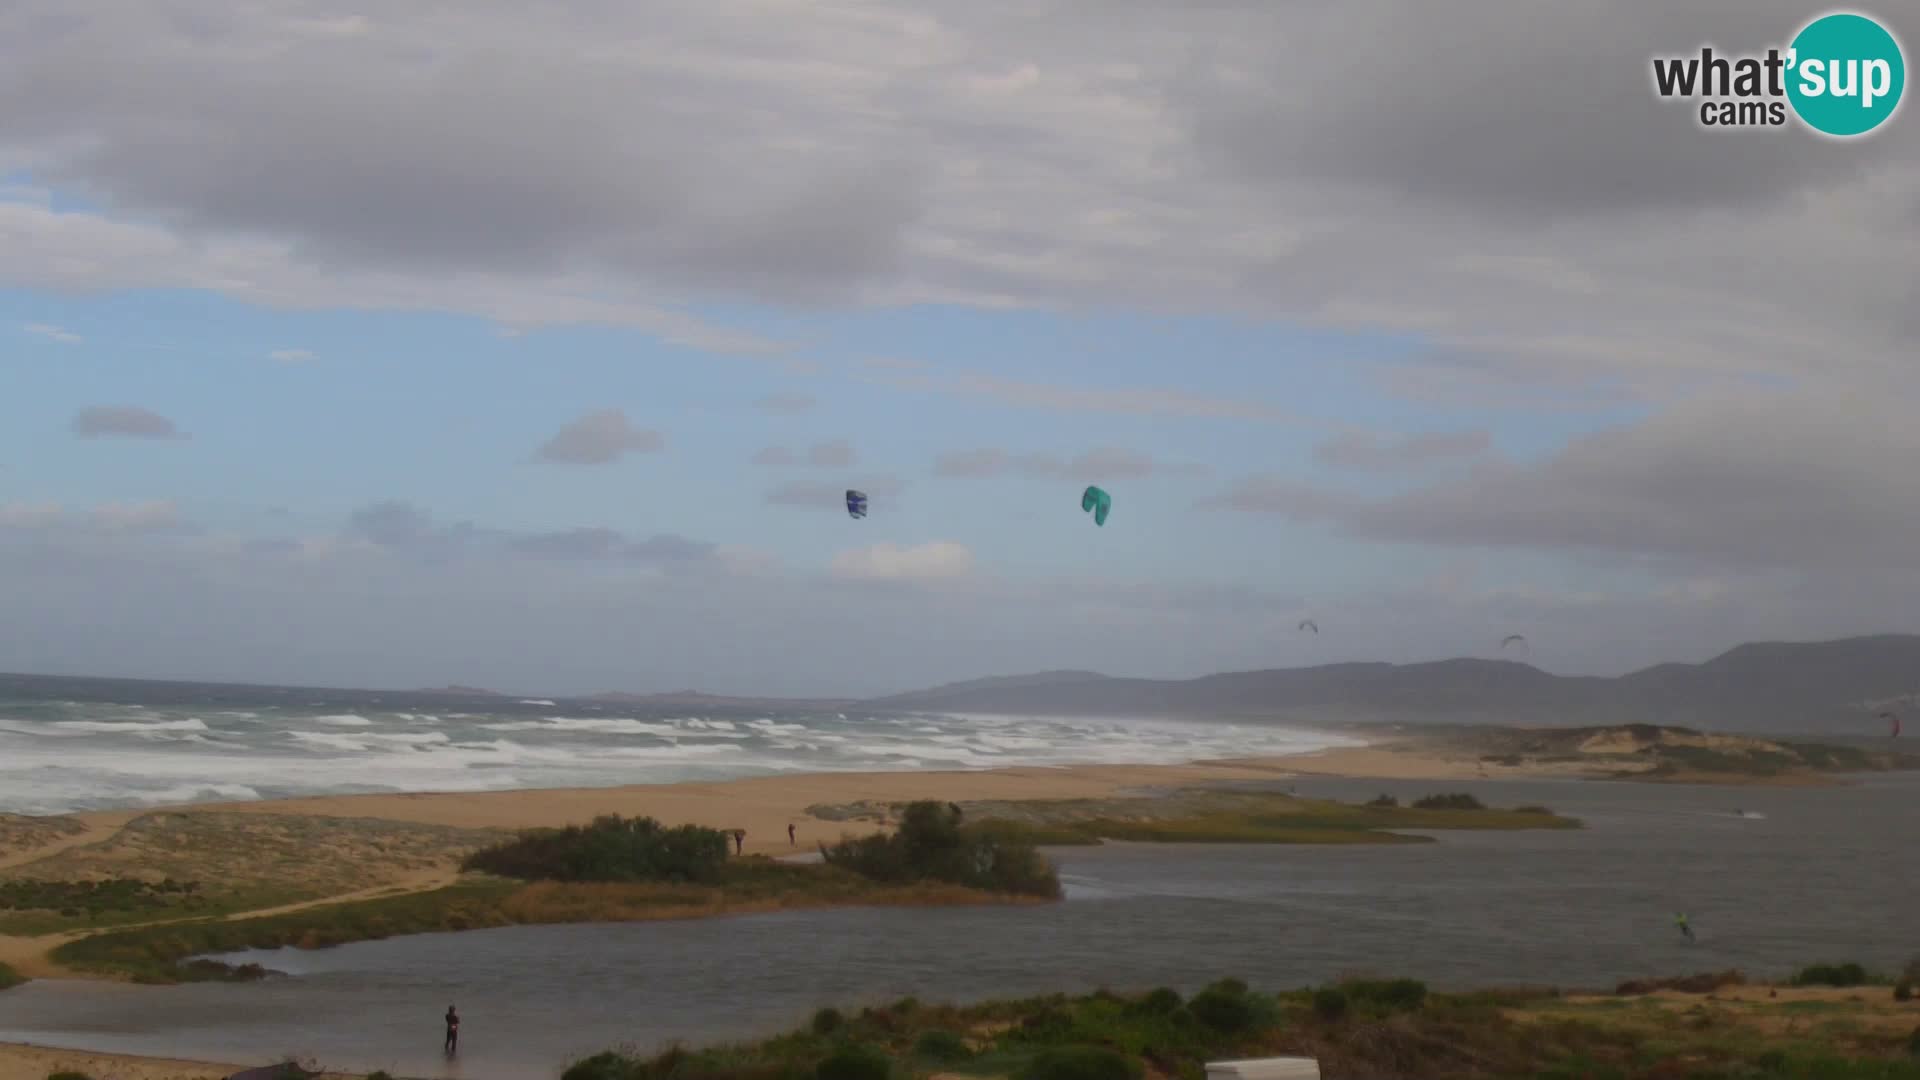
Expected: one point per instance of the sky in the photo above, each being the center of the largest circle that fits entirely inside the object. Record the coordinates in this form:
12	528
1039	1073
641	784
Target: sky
446	344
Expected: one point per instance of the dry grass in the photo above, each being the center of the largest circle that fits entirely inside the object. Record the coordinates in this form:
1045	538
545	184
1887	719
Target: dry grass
20	835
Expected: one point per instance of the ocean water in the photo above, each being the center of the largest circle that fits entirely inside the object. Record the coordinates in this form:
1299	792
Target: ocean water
133	744
1773	879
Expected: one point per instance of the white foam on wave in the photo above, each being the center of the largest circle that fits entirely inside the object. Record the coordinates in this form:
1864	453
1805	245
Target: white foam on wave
96	756
537	701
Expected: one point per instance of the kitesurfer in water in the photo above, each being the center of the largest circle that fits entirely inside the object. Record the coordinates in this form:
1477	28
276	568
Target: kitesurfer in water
1680	920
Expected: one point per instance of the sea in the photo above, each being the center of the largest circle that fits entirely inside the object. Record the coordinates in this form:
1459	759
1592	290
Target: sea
1772	878
68	745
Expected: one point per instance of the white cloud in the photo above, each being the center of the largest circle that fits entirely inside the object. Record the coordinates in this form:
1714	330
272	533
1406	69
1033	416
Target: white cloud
290	356
934	561
52	333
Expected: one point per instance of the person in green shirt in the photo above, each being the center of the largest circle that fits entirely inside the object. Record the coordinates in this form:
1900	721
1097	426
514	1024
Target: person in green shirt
1680	920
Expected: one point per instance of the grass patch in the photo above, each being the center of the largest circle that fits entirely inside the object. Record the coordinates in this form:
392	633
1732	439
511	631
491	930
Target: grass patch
9	978
1840	975
161	954
1198	817
192	865
1377	1027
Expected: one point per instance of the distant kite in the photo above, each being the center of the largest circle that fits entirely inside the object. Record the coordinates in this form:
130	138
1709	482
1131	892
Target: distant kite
1511	638
1096	502
1895	719
856	504
1309	624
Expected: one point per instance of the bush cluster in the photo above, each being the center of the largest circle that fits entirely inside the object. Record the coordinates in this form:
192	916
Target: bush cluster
932	845
1458	800
612	848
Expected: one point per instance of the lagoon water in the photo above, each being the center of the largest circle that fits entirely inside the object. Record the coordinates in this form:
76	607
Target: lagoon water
1824	874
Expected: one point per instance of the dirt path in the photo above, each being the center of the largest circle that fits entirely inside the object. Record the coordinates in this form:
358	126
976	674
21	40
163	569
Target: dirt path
97	828
29	955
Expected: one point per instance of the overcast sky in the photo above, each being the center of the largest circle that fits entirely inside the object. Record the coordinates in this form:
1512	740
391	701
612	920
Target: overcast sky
429	343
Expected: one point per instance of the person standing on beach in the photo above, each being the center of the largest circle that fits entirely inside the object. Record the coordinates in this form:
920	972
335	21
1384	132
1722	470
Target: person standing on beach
453	1030
791	842
739	840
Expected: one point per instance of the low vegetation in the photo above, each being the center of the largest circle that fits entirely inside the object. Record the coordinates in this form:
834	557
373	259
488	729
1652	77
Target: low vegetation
612	848
1358	1028
932	844
1217	816
1659	752
170	865
9	977
611	870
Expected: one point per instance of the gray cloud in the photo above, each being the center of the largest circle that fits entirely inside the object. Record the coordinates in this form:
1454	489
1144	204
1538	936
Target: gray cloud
1587	136
833	497
1514	193
1095	465
310	612
1359	451
1786	479
405	528
123	519
602	544
788	404
597	438
833	454
123	422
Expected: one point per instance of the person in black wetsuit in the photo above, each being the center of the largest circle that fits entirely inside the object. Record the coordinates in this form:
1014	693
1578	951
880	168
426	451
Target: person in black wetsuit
453	1030
791	842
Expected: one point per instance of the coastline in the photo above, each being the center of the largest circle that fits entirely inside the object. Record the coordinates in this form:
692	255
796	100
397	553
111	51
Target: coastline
29	1061
371	848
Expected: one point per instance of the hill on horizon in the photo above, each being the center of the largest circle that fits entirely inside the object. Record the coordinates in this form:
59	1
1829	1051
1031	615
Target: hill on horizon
1830	687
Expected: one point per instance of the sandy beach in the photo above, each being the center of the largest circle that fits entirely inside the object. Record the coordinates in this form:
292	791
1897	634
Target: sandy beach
765	806
22	1062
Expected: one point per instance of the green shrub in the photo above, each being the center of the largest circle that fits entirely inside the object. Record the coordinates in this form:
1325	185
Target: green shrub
855	1062
611	849
828	1021
1383	800
1456	801
941	1045
9	977
1082	1063
1903	990
379	1074
1841	975
1329	1003
1386	995
1225	1012
605	1065
932	845
1162	1002
1913	1043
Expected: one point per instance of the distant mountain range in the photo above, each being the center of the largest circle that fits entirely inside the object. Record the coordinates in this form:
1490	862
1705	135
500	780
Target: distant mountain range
1831	687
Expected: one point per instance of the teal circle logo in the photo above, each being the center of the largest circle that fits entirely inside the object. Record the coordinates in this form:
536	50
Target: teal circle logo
1846	74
